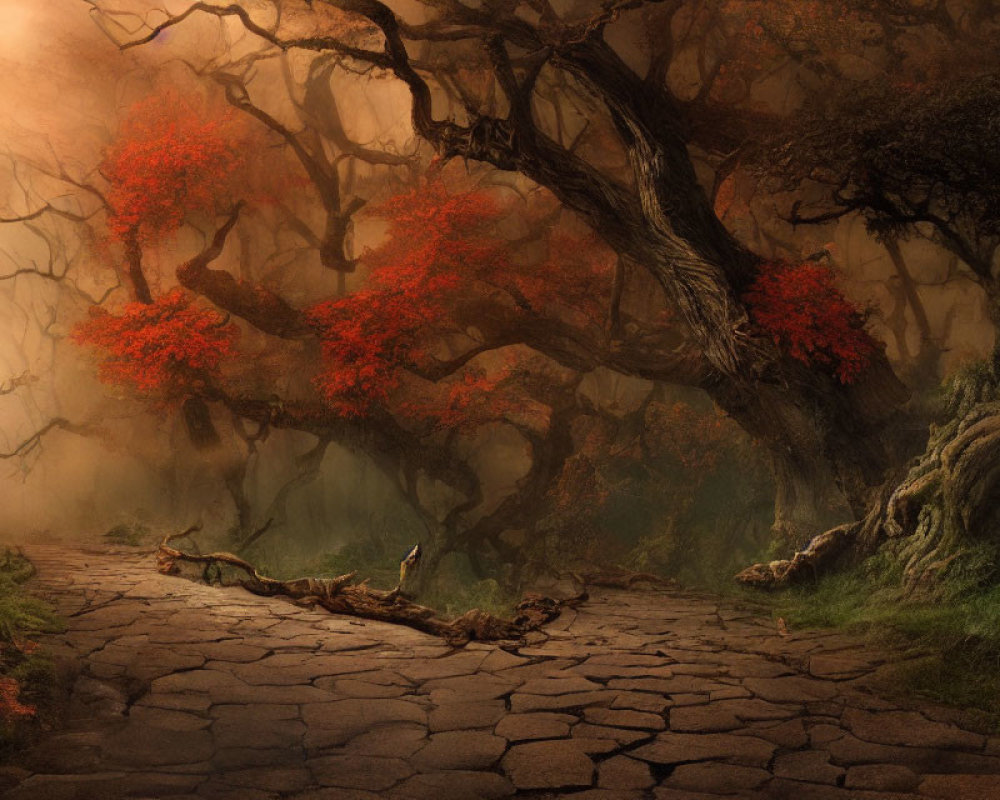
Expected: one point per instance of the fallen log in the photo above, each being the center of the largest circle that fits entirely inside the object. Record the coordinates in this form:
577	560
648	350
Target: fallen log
340	596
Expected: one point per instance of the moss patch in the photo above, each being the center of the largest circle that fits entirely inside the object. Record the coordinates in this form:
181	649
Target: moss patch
950	639
27	677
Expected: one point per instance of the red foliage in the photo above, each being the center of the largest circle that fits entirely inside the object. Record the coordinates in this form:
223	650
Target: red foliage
10	706
479	395
171	158
368	336
435	215
576	274
165	346
442	245
799	306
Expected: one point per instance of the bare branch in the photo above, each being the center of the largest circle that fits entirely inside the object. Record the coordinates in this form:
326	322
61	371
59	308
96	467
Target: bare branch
35	439
48	208
13	384
795	218
263	309
318	43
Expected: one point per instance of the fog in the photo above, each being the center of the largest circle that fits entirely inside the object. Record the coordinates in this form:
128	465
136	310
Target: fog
82	455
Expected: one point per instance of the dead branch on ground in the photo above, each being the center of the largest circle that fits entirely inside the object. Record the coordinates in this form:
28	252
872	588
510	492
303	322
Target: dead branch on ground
340	596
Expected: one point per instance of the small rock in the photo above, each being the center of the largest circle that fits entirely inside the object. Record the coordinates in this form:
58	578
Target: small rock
716	778
359	772
960	787
462	750
624	719
453	785
459	716
541	725
812	766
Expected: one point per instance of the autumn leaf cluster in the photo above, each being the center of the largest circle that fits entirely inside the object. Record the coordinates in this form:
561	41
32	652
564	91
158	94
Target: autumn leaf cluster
800	307
171	158
167	347
443	246
370	335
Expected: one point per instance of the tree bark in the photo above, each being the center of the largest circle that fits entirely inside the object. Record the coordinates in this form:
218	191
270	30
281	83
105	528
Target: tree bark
950	500
806	499
263	309
133	261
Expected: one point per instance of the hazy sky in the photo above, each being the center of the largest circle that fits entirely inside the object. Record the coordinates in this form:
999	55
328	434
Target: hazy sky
59	74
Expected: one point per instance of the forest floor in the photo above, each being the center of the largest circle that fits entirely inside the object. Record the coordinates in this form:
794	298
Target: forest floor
180	690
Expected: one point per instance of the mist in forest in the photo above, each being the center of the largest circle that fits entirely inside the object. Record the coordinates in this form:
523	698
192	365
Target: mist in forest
387	345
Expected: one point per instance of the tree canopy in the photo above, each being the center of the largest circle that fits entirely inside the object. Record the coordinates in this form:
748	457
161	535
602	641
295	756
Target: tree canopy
401	229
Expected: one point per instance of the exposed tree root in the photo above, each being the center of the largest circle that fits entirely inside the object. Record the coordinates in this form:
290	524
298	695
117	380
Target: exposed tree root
926	518
340	596
821	550
949	500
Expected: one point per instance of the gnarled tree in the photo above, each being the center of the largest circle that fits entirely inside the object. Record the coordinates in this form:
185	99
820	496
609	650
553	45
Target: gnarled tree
822	422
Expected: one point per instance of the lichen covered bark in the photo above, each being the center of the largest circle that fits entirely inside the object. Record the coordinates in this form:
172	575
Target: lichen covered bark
949	500
945	504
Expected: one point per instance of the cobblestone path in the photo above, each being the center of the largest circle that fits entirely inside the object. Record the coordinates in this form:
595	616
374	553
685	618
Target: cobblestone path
188	691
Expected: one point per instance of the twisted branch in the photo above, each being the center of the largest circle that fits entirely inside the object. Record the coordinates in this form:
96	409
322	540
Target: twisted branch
339	596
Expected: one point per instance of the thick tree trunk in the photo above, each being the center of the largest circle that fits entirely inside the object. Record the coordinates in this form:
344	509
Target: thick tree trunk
950	500
920	368
815	427
860	434
806	499
927	517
